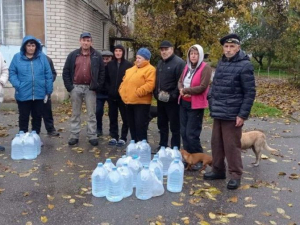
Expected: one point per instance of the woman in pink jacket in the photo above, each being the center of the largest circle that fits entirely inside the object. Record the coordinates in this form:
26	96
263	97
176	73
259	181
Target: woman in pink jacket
193	87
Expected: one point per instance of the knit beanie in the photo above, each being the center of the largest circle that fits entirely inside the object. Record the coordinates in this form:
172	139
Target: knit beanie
144	52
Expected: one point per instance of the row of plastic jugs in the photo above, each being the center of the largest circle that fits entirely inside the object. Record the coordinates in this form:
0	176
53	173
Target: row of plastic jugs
143	150
26	146
118	183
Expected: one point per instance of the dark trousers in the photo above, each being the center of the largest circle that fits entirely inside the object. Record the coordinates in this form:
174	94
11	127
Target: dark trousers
226	143
48	116
100	112
114	106
168	112
33	108
191	127
138	117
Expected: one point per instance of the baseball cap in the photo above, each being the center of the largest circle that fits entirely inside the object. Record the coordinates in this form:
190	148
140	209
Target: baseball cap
165	44
85	34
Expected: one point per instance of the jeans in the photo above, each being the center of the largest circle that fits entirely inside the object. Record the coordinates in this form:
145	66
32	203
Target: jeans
191	127
78	94
33	108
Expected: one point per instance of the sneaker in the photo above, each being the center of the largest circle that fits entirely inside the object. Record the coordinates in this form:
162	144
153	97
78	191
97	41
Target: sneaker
112	141
2	148
197	166
121	143
73	141
94	142
53	133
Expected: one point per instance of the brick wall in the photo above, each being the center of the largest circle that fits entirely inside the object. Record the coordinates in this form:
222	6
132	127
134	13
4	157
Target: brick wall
66	20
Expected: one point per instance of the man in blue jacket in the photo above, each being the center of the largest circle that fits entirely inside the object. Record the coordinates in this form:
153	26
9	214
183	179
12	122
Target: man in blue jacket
30	74
230	100
83	76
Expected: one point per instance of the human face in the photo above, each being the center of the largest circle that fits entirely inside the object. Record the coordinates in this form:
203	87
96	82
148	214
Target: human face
106	59
230	49
118	53
166	52
30	48
139	60
86	43
194	57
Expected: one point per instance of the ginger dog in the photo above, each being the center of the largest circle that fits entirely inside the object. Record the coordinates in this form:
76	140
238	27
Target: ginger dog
192	159
257	141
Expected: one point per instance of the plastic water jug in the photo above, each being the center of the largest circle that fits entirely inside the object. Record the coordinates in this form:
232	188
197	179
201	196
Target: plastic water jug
175	153
99	181
121	161
158	160
180	162
17	148
166	159
175	177
157	186
38	143
132	149
157	169
29	148
114	184
108	165
127	180
145	152
135	166
22	134
144	184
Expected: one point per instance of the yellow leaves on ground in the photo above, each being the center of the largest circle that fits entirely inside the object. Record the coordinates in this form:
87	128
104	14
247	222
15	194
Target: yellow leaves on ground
294	176
177	204
78	149
282	212
223	218
1	190
204	223
50	198
244	187
273	160
208	192
250	205
88	205
66	196
264	156
50	206
233	199
44	219
72	201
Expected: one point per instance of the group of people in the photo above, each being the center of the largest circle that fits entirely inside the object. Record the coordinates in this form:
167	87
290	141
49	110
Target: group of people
182	90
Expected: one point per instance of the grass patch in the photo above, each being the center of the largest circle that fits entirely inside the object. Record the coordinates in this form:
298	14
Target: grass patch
261	110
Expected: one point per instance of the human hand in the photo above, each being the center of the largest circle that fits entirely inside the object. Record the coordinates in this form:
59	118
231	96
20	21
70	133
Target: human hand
239	121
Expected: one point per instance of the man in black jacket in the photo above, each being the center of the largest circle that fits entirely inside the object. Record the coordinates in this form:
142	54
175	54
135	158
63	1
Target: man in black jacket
115	72
83	75
168	72
230	100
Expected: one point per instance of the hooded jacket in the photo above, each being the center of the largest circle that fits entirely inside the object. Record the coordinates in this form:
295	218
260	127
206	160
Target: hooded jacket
200	78
114	75
233	88
138	84
97	70
31	77
168	73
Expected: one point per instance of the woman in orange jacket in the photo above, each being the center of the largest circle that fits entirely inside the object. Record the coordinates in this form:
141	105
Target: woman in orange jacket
136	92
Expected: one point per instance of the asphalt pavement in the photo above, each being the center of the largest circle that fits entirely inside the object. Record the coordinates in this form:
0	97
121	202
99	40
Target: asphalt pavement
55	188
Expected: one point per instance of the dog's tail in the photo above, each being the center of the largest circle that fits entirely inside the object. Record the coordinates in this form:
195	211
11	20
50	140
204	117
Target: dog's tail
272	150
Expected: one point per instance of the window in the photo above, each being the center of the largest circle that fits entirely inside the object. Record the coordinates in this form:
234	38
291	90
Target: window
11	22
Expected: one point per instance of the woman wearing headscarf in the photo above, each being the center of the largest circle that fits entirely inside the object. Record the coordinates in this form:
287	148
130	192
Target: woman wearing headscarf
136	92
193	87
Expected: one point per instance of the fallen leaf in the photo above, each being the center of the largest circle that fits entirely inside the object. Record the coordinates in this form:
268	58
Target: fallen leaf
72	201
50	206
79	196
250	205
24	174
273	160
204	223
267	214
233	199
257	222
248	199
82	175
244	187
24	213
281	173
273	222
212	215
84	189
87	204
264	156
280	211
28	223
50	198
290	205
44	219
177	204
66	196
294	176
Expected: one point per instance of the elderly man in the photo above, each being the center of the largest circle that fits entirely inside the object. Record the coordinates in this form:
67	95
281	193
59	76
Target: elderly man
83	75
230	100
3	80
168	72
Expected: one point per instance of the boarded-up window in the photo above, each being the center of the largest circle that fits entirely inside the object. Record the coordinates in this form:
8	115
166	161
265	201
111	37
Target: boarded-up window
34	19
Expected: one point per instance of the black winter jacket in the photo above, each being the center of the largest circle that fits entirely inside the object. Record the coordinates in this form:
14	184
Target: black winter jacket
168	73
97	70
114	77
233	88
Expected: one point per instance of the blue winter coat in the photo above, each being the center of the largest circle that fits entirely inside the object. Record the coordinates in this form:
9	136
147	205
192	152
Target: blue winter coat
32	78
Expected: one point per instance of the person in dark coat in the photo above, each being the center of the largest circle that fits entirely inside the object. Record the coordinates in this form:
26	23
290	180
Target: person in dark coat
231	97
115	72
168	72
102	95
